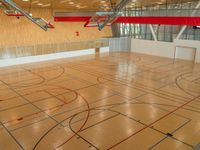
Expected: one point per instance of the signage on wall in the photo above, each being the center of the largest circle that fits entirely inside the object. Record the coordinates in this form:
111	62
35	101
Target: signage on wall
77	33
196	27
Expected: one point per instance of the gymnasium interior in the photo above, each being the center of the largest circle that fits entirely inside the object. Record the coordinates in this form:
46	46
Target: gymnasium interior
99	74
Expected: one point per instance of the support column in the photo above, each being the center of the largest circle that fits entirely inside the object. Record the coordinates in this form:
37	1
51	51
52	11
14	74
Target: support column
153	32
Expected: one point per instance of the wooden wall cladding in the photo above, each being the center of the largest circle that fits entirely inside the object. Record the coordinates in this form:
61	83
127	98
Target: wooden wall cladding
41	49
20	32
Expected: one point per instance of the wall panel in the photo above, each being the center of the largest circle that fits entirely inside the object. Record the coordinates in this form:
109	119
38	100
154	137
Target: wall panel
164	49
16	32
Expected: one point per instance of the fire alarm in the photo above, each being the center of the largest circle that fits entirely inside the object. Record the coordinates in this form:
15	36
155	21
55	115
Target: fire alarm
77	33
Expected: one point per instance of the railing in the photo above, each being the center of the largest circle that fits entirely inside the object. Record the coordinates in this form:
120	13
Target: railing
41	49
162	12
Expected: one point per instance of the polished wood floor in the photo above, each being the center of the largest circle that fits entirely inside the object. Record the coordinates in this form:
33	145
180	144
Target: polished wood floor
119	101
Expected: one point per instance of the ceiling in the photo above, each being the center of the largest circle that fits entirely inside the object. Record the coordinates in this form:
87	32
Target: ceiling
90	5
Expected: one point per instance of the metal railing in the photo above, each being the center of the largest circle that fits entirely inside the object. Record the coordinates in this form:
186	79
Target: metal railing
162	12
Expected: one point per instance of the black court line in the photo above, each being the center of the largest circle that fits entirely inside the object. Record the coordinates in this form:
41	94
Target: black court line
142	85
18	143
164	116
115	105
172	137
168	99
42	111
50	95
181	88
150	91
30	84
61	113
88	114
76	108
138	121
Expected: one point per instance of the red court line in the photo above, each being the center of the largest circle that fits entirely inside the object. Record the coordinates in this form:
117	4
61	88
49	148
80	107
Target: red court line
154	122
49	110
82	126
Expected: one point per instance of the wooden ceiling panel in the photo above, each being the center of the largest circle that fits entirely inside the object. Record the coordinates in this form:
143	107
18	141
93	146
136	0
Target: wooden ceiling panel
90	5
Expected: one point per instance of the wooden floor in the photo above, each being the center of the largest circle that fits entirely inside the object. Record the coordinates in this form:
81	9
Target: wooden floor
118	101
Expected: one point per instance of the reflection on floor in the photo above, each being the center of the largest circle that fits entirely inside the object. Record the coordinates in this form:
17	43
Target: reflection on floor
118	101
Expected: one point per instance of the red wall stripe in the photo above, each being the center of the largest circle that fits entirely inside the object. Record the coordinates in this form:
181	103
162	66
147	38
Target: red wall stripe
190	21
161	20
72	19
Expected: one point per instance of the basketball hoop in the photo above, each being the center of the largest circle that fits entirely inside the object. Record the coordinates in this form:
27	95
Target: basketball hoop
95	21
44	23
50	25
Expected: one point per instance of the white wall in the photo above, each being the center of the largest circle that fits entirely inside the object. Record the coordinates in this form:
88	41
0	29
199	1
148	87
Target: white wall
163	49
38	58
186	53
120	44
187	43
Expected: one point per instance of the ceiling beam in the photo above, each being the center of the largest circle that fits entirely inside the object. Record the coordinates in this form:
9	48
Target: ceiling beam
153	32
